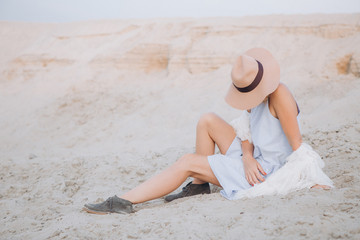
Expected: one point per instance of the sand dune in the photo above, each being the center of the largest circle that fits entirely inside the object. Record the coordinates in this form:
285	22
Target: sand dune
90	109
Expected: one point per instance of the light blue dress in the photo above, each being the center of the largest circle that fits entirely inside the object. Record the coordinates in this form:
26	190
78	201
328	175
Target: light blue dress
271	149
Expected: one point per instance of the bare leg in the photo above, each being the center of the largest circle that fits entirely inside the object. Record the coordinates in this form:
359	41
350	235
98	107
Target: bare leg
211	130
190	165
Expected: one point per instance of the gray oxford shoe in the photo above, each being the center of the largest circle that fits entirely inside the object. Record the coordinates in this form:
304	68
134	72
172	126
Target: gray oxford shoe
111	205
190	190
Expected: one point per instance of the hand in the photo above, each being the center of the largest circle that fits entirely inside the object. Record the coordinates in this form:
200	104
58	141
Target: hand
252	170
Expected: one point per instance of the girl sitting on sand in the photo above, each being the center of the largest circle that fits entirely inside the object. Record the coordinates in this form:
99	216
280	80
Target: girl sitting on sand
261	152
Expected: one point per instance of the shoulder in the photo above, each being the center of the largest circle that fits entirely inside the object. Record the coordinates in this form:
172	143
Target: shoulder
282	100
282	91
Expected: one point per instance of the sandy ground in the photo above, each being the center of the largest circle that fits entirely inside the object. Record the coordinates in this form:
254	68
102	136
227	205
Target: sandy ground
91	109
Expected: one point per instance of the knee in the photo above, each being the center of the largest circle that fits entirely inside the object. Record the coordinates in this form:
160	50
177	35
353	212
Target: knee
207	119
185	161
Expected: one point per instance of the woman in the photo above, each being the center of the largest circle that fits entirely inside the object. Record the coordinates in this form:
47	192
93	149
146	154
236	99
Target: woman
253	149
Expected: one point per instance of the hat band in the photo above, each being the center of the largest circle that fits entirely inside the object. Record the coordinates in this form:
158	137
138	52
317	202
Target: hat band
256	81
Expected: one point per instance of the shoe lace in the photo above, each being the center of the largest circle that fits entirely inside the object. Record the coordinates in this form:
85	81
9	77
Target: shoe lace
110	202
186	189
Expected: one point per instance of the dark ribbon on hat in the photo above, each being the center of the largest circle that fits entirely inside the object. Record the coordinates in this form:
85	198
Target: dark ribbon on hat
254	83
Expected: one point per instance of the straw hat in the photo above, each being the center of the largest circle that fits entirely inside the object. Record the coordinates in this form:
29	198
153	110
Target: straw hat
254	75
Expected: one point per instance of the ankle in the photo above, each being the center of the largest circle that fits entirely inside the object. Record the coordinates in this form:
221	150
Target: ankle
198	181
127	199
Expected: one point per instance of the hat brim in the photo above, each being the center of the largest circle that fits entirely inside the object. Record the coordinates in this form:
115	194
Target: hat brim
268	84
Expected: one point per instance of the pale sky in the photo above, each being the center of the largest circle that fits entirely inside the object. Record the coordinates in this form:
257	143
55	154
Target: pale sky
80	10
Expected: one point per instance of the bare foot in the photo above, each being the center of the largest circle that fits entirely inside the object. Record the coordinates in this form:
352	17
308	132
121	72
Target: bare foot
325	187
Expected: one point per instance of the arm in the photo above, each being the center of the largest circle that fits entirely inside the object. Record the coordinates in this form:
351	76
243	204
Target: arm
252	168
284	106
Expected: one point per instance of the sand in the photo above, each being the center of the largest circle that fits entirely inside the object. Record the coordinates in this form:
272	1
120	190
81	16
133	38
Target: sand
91	109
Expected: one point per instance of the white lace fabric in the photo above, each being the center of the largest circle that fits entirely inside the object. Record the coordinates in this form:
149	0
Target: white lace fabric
241	126
303	169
